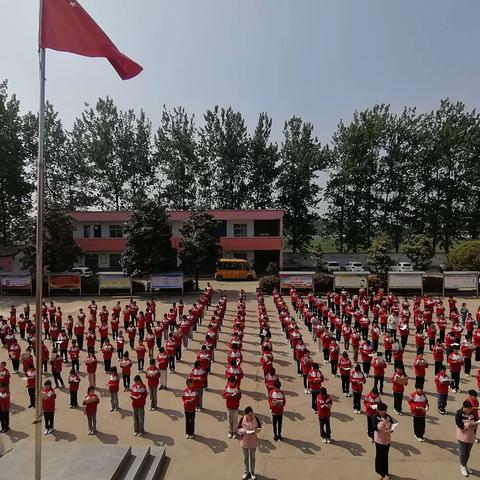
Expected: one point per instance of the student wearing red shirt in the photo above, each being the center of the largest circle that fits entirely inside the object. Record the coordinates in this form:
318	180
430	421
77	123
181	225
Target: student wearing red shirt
4	408
91	341
277	401
190	401
78	331
131	332
140	350
113	387
442	382
73	384
419	367
120	344
91	363
74	354
170	349
438	355
162	363
315	380
399	381
345	367
198	376
418	403
371	402
455	361
379	366
107	353
334	355
48	405
14	352
56	364
103	332
324	412
357	380
30	376
153	378
91	402
114	325
126	366
232	395
138	395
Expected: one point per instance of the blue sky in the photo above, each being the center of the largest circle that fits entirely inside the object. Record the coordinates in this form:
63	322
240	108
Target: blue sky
317	59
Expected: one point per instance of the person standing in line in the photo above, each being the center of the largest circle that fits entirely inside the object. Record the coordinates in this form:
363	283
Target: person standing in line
107	353
91	402
315	380
324	412
56	364
190	403
379	366
48	405
357	380
399	381
371	402
232	396
113	387
153	379
30	377
4	407
382	426
91	363
418	403
419	367
345	367
249	426
126	366
138	395
465	429
442	382
277	401
73	384
455	360
162	364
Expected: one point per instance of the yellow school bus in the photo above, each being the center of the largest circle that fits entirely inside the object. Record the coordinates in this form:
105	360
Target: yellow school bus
234	269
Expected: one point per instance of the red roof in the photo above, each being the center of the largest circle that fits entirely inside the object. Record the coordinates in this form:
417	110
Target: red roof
180	215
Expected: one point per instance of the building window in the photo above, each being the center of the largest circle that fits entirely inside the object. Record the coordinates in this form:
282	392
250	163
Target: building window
240	255
86	231
97	231
116	231
115	261
239	229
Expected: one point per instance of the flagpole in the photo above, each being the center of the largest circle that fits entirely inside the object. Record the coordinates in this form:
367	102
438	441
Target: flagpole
39	265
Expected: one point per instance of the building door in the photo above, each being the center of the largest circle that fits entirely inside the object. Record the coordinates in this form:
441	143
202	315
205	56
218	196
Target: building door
263	258
91	260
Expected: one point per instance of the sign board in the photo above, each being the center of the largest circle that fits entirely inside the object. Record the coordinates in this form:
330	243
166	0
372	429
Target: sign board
17	282
405	280
350	279
457	280
64	282
172	280
296	279
114	281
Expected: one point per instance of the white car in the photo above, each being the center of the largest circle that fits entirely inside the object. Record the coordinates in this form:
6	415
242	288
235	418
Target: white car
402	267
330	266
83	271
354	267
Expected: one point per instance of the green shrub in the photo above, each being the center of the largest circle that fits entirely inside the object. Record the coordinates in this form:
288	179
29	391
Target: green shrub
322	283
269	283
377	281
465	256
272	269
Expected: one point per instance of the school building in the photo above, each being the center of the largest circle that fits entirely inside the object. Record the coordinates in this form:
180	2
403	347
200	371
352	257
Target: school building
256	235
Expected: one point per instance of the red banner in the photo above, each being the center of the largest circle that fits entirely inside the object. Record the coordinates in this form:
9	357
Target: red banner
64	282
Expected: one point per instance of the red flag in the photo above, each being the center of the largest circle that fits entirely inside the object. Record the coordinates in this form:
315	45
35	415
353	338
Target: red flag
67	27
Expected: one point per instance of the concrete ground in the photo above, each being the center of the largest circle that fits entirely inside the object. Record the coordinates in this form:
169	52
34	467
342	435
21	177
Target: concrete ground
212	454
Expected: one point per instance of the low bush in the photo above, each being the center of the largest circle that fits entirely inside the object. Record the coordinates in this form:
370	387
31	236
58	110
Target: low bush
322	283
269	283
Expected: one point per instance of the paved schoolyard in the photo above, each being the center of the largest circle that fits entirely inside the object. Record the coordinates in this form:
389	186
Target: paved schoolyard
212	454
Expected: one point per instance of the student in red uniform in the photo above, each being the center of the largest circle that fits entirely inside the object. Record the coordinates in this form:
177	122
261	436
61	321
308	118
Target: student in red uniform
91	363
48	405
107	353
455	361
442	382
232	395
357	380
170	349
190	402
140	350
324	412
371	402
419	367
153	378
30	377
56	364
399	381
418	403
91	402
138	395
315	380
162	363
277	401
73	384
4	407
126	366
379	366
113	387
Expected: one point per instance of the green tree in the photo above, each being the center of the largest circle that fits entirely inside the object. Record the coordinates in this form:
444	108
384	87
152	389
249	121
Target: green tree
200	247
60	251
223	151
317	255
301	159
378	253
177	158
262	167
15	184
418	249
148	245
465	256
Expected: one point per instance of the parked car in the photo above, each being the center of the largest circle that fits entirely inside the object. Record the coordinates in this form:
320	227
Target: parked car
330	266
354	267
402	267
83	271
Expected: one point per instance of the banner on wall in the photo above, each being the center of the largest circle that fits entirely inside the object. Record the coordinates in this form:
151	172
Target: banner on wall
17	282
405	280
114	281
350	279
172	280
64	282
296	279
457	280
